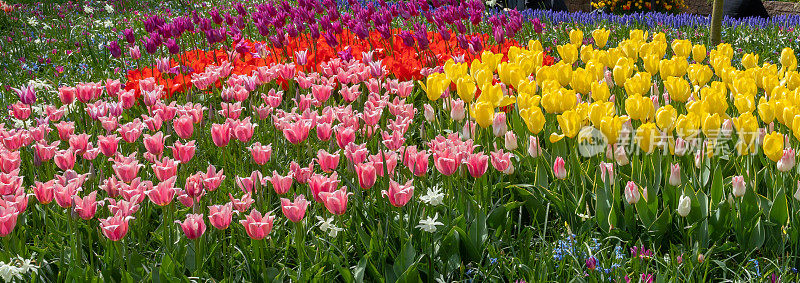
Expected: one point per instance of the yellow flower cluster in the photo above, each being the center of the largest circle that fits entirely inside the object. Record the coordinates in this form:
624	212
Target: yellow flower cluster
623	6
578	90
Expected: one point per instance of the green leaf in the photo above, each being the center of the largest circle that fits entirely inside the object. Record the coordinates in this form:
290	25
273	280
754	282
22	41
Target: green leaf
716	187
361	267
779	214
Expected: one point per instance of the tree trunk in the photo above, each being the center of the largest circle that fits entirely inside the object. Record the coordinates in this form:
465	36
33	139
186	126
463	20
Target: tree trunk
716	22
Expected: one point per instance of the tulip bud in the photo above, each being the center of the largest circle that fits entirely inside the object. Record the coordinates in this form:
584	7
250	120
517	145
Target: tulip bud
606	169
632	193
684	206
509	170
428	113
654	99
738	186
510	141
620	156
499	125
698	159
797	192
727	128
558	168
701	258
457	111
680	147
665	97
675	175
787	160
534	150
609	78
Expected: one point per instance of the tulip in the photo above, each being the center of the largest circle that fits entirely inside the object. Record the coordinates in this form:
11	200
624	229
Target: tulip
126	168
773	146
256	225
680	147
397	194
115	227
684	206
281	184
44	191
86	207
27	95
108	144
631	193
122	208
499	125
436	85
296	132
163	193
221	134
787	161
366	175
600	37
675	175
193	226
620	156
606	171
261	154
183	126
11	160
430	116
738	186
534	150
155	144
335	202
183	152
510	141
213	179
558	168
294	211
64	159
477	164
220	216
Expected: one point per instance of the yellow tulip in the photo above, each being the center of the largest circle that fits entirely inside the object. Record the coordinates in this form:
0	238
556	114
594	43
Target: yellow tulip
510	74
711	125
570	123
576	37
747	128
788	59
660	37
483	113
651	63
647	137
792	79
599	110
559	100
639	84
677	88
534	119
750	60
766	110
581	81
637	35
483	77
600	91
682	47
436	85
745	103
687	126
630	48
773	146
666	117
622	70
563	73
699	52
528	99
545	73
699	74
587	53
491	59
535	46
715	98
476	66
595	69
600	37
568	53
455	70
744	85
639	108
611	126
465	88
796	127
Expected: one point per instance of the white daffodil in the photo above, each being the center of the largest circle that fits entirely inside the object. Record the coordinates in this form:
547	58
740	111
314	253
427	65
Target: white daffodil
433	197
88	10
109	9
429	224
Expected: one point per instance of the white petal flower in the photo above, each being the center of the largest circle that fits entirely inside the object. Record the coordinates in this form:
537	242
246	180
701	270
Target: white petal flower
429	224
433	197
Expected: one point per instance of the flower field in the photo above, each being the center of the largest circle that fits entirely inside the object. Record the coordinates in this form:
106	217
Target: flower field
402	141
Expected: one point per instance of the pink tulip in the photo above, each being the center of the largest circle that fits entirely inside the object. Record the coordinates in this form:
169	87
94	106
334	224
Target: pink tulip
108	144
155	144
44	191
213	179
501	160
220	216
131	131
356	153
86	207
499	125
787	161
221	134
301	174
321	183
123	207
445	162
321	93
345	136
183	126
260	153
115	227
165	168
631	192
249	184
281	184
135	192
66	94
11	160
243	130
183	152
381	166
294	211
194	226
126	167
78	143
398	194
336	202
606	169
256	225
243	204
558	168
675	175
477	164
193	187
65	130
738	186
20	111
327	162
110	124
163	193
366	175
153	123
8	220
324	131
64	159
296	132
